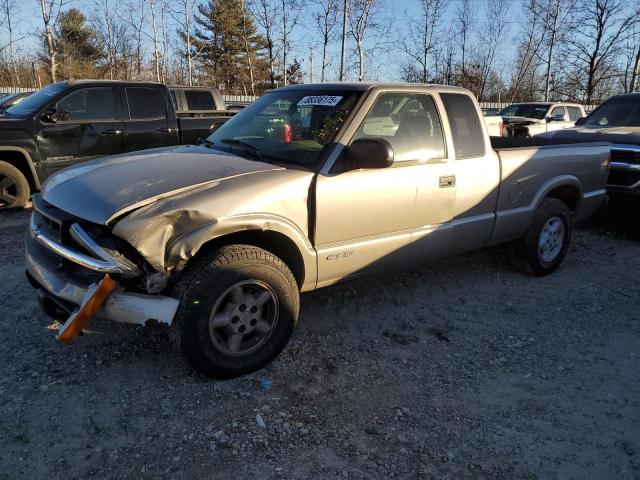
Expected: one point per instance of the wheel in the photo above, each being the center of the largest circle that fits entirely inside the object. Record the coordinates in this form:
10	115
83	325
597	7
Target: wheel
238	307
14	188
543	247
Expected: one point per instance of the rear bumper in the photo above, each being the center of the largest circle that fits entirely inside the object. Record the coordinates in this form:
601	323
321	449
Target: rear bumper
63	289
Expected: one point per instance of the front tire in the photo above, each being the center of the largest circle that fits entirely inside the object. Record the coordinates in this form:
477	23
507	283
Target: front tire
14	187
238	307
543	247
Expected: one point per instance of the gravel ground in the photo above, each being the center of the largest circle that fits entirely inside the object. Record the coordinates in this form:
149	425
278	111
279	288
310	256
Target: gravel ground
463	369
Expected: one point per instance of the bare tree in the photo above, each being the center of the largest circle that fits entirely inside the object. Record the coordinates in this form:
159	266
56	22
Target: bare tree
9	10
326	21
265	14
633	83
595	46
423	34
630	68
244	19
156	49
289	17
464	24
522	82
134	16
184	17
493	35
363	18
50	10
343	38
106	23
558	18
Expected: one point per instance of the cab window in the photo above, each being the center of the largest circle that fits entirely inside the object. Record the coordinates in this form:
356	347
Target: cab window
557	111
145	103
409	122
466	130
574	113
87	104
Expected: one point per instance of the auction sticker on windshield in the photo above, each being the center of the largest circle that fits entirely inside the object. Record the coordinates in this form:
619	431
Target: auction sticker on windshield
319	100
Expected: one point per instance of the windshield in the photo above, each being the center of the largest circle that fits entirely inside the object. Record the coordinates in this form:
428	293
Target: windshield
621	111
35	101
290	127
527	110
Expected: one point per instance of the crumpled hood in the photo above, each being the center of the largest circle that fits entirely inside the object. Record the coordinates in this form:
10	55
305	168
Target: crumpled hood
103	189
628	135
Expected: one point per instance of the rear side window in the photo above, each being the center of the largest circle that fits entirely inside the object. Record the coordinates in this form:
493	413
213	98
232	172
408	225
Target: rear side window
574	113
199	100
466	131
87	104
145	103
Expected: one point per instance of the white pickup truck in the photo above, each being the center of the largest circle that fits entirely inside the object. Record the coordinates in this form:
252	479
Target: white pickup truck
534	118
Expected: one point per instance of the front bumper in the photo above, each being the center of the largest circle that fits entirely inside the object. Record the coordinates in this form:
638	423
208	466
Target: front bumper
67	285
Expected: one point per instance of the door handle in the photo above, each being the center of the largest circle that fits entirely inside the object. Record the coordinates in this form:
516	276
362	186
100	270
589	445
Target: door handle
166	130
448	181
111	131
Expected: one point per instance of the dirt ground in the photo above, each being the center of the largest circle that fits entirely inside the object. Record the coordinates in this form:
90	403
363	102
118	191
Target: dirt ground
463	369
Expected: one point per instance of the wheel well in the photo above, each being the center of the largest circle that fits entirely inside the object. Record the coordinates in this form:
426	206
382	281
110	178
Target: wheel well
569	194
277	243
18	160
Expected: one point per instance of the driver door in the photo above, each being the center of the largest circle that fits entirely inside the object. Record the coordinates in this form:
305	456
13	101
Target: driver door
87	123
366	218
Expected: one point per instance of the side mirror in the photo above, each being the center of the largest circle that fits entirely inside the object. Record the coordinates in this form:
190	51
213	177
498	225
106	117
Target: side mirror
371	153
555	118
580	121
50	116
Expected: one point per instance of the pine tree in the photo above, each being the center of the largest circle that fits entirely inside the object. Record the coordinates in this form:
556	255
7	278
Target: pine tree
78	48
226	46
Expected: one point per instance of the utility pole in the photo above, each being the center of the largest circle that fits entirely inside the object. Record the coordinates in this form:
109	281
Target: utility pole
311	66
344	37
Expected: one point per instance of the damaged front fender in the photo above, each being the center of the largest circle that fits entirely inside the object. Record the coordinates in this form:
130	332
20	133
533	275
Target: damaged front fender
171	231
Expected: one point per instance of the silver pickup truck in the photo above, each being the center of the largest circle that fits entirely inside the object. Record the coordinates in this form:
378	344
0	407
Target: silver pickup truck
308	186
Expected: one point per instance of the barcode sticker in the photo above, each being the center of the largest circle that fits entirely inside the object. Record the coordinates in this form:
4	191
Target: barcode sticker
319	100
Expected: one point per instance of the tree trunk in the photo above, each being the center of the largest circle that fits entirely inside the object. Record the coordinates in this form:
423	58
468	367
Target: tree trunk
246	49
360	61
110	47
324	59
156	52
345	13
51	47
12	57
554	27
187	28
284	41
633	84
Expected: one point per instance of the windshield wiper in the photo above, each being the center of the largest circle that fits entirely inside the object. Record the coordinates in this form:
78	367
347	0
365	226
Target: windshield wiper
232	141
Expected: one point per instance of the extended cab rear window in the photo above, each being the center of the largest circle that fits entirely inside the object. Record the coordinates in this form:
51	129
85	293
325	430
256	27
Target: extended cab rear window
145	103
466	130
199	100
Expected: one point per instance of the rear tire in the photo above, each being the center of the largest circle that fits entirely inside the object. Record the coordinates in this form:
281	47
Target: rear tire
14	187
543	247
238	307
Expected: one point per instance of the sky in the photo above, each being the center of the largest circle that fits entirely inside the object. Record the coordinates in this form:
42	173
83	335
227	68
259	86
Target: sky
385	65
